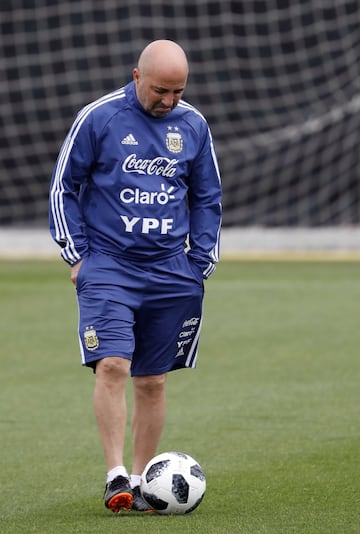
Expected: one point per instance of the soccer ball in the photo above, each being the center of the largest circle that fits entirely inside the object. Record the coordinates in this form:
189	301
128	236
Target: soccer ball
173	483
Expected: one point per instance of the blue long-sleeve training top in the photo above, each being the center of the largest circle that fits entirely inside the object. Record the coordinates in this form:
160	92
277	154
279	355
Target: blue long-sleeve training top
135	186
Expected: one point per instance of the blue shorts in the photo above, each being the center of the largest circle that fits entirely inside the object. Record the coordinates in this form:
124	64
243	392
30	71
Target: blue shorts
147	312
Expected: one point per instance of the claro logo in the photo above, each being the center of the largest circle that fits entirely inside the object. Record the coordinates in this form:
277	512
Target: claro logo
137	196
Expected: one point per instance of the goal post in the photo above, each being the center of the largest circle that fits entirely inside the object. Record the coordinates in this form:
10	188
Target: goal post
277	81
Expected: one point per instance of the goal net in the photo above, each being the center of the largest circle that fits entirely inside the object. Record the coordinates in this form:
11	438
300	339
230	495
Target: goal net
277	80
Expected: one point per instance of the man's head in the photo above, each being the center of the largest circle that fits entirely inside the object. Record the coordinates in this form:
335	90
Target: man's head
160	77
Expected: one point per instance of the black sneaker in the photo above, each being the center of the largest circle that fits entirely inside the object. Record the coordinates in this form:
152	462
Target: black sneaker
139	505
118	495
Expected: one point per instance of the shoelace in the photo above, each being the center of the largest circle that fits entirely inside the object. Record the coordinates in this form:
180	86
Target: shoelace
118	482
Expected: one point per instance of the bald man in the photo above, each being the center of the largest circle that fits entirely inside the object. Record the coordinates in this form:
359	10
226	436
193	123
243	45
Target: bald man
135	205
160	77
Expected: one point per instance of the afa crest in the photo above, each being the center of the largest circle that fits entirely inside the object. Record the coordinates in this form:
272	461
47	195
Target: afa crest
174	141
90	338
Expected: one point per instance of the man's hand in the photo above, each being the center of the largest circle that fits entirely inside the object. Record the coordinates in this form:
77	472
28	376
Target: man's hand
74	272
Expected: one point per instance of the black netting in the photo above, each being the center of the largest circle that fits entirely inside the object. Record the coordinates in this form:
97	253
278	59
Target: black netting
278	82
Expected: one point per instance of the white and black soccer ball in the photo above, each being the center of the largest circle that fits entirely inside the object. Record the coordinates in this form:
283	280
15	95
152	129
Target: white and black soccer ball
173	483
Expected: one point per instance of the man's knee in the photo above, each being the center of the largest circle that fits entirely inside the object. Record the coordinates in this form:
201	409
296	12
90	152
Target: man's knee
149	384
113	367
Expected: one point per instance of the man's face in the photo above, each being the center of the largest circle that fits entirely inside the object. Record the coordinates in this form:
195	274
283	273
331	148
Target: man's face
158	94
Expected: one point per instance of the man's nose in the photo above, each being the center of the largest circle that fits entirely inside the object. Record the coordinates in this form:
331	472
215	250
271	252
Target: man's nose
168	100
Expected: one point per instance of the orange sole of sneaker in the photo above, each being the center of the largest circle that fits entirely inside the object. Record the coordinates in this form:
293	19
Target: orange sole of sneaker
121	501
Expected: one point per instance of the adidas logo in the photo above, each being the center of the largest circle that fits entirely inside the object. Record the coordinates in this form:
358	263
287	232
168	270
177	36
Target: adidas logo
129	140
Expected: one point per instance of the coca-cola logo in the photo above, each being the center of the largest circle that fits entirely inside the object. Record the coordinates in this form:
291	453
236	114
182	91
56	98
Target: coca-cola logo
159	166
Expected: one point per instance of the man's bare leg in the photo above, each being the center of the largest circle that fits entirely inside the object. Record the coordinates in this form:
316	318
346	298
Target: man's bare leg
148	418
111	412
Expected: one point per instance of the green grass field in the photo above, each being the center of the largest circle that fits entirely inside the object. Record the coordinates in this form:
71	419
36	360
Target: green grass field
271	413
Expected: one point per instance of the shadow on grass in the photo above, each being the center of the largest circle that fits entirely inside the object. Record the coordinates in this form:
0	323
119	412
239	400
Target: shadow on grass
90	516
